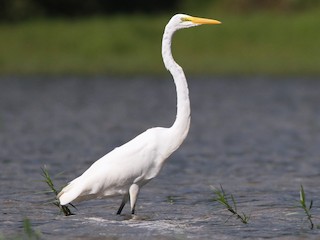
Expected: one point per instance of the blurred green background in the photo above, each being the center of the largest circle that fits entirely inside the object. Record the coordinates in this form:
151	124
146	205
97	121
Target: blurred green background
123	37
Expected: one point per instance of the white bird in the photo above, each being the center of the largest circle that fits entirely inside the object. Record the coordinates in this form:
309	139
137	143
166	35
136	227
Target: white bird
127	168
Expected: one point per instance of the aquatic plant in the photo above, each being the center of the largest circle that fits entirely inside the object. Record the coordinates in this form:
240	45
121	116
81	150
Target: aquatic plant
28	233
47	179
224	199
303	205
171	199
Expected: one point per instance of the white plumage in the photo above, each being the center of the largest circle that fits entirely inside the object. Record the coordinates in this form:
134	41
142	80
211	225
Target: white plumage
124	170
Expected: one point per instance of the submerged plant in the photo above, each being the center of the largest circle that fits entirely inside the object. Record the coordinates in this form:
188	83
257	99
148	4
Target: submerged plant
47	179
303	205
224	199
171	199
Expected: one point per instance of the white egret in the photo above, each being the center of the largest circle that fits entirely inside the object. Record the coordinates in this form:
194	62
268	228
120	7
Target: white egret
124	170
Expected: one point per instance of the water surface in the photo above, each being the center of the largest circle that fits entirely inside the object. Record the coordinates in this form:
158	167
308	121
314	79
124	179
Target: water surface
257	137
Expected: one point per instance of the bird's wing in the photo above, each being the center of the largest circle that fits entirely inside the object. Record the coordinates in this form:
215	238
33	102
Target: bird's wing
112	174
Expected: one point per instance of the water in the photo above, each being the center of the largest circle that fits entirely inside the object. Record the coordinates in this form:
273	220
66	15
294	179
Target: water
257	137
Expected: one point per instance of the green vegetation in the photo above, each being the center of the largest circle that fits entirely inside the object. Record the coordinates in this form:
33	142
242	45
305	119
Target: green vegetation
303	205
261	43
223	199
28	233
47	179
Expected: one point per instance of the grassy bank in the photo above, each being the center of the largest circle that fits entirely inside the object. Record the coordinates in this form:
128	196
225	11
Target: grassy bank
261	43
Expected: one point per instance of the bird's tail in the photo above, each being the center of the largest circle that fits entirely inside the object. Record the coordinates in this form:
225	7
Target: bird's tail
69	193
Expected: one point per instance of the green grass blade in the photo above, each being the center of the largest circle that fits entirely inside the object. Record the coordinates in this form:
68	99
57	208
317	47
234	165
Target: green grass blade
222	198
47	179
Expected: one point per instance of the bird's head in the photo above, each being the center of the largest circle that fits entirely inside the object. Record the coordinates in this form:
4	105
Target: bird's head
180	21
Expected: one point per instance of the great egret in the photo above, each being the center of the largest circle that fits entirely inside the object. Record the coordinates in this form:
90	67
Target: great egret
124	170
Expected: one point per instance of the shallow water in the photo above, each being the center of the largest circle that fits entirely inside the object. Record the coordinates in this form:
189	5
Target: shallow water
257	137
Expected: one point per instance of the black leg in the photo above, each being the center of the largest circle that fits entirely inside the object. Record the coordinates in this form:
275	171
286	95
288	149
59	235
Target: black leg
123	203
120	208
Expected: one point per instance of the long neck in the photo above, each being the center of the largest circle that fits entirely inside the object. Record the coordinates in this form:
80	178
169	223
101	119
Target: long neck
181	126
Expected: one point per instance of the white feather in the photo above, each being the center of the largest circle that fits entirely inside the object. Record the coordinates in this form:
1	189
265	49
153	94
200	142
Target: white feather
124	170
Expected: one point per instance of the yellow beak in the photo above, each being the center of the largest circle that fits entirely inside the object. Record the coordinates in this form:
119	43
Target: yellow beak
198	20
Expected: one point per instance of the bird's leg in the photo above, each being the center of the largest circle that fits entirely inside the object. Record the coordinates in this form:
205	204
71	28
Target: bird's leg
124	201
133	191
